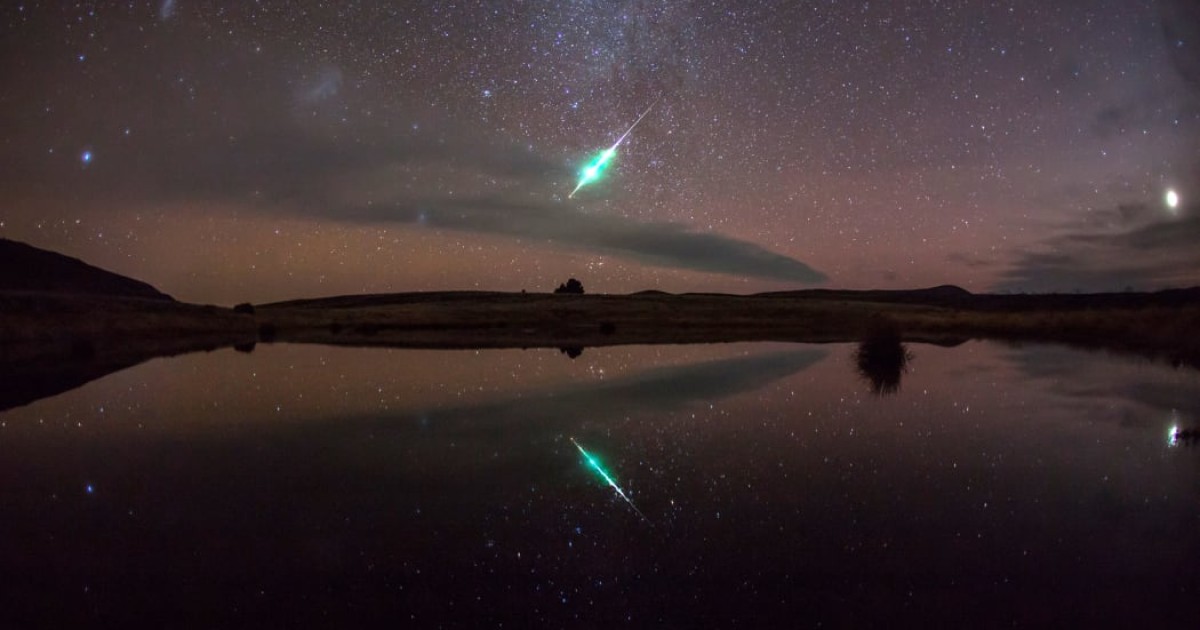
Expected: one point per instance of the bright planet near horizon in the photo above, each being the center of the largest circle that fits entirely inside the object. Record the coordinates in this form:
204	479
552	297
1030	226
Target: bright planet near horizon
1172	199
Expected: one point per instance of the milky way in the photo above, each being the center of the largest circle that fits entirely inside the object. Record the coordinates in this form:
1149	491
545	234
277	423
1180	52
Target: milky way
275	150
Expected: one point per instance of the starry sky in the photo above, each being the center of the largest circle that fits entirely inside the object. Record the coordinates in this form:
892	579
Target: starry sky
257	151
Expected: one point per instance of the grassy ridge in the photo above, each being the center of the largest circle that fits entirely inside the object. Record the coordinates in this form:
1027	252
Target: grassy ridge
1160	325
48	318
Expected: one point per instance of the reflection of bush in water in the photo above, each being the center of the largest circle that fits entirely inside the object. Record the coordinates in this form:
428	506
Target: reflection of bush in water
267	332
82	348
882	359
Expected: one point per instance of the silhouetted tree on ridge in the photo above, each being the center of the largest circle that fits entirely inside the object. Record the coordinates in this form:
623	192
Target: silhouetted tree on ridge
571	286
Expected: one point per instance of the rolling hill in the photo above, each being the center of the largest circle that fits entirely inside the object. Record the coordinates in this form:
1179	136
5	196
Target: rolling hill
25	268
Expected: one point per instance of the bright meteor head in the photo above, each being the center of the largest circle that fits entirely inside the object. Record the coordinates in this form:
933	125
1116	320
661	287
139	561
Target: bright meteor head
596	167
594	170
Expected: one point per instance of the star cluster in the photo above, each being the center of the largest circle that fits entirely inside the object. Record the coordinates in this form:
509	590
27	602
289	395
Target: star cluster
256	151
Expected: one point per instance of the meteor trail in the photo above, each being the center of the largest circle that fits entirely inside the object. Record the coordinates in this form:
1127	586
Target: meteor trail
593	170
596	466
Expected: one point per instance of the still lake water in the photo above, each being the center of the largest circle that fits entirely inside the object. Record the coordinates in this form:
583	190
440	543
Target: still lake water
310	485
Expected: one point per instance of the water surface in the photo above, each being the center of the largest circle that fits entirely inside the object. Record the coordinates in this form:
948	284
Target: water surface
307	484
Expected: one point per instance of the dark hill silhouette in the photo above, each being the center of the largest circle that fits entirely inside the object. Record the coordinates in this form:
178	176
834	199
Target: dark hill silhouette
944	294
27	268
951	296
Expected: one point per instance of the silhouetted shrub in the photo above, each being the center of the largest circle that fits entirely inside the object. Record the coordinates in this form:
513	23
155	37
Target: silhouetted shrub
267	332
607	328
244	307
572	351
571	286
245	347
335	328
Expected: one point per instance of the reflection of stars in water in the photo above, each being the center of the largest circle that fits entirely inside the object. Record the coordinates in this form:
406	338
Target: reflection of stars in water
166	10
85	157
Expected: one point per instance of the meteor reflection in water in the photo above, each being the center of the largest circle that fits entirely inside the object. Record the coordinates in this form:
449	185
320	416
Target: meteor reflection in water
595	465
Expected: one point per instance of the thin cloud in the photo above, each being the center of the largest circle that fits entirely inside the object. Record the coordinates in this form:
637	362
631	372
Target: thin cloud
663	244
485	187
254	132
661	390
1137	250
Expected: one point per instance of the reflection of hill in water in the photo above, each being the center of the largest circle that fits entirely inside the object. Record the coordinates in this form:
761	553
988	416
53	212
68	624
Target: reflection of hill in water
30	373
27	268
51	343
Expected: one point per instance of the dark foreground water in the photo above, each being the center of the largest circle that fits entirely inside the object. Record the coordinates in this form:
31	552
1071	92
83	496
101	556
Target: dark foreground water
307	485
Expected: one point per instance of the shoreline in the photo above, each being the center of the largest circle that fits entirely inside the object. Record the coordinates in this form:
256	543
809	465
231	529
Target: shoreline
53	342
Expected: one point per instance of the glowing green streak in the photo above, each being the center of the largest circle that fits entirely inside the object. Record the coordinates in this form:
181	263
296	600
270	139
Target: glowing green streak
594	170
599	468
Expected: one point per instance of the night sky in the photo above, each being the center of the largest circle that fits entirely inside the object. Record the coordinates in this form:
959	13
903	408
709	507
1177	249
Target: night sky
255	151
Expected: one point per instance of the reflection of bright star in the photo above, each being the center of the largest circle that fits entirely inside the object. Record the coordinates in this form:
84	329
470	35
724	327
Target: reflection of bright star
1172	199
86	157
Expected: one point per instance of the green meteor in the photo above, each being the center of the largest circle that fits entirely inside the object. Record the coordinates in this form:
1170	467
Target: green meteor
594	170
595	465
596	167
